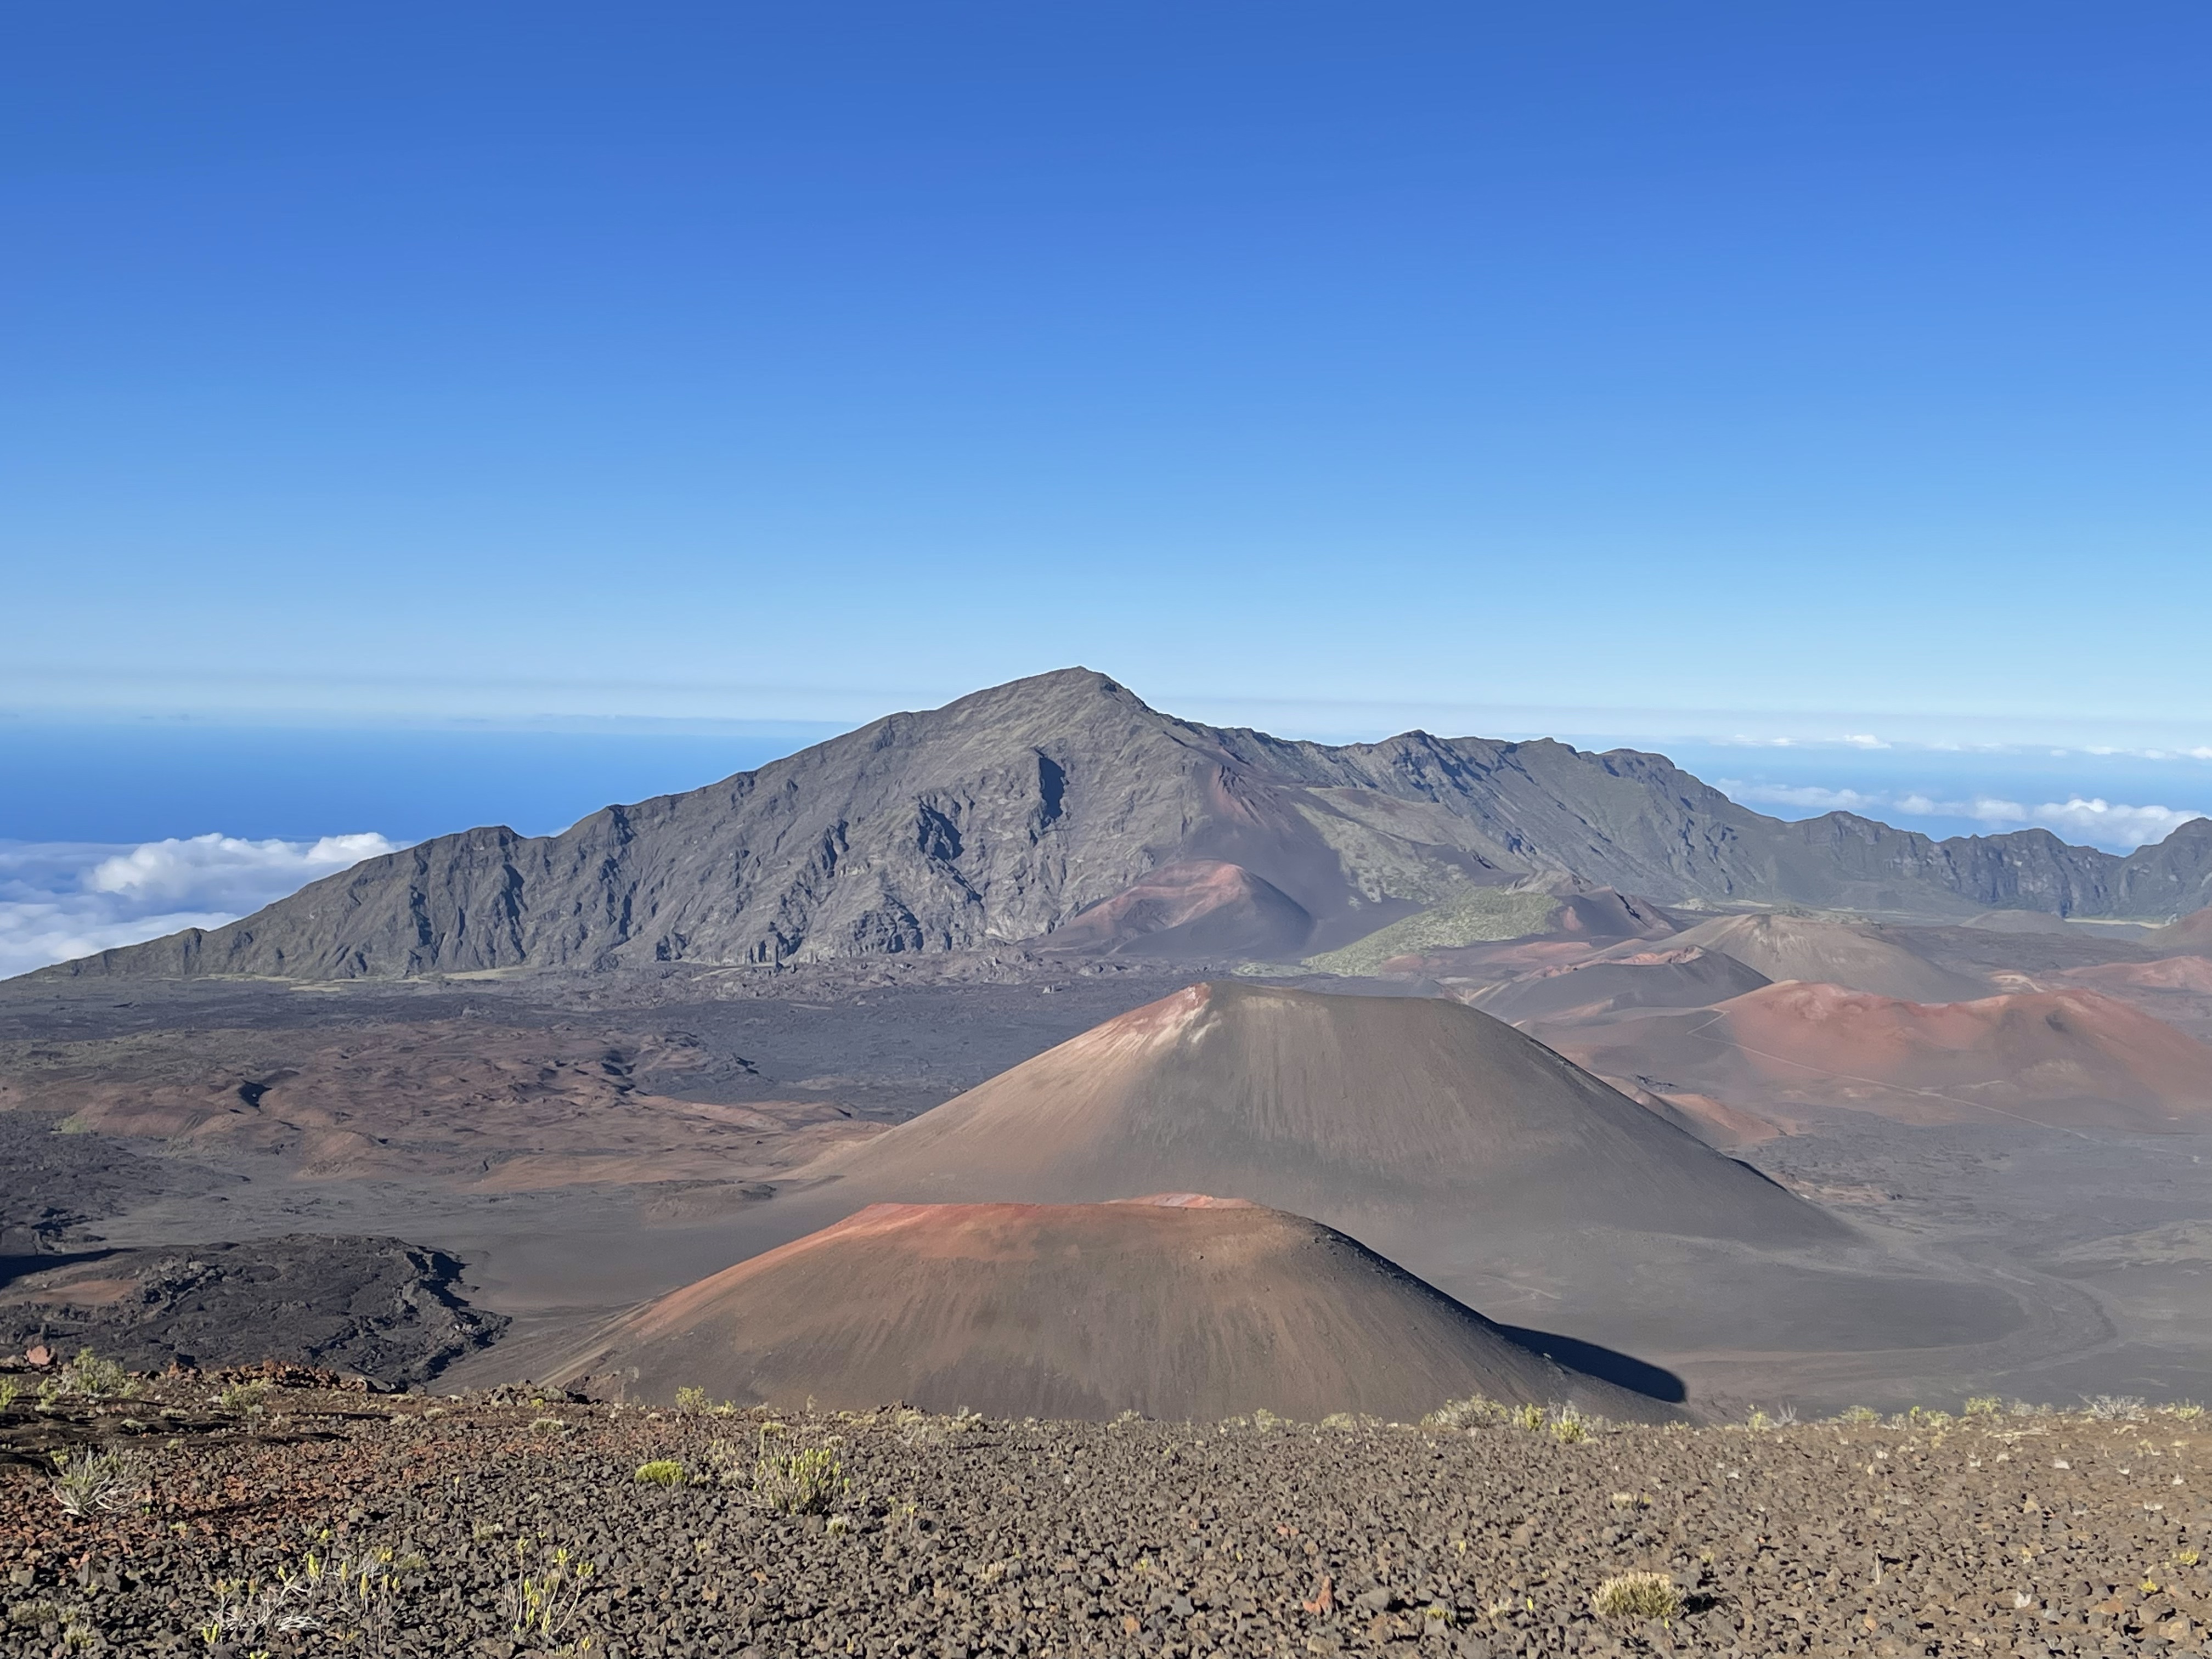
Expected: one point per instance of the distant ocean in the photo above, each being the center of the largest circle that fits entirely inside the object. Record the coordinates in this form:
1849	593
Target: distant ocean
144	781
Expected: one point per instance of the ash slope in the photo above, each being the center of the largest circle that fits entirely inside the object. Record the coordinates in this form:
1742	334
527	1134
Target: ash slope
1194	1311
1004	815
1324	1105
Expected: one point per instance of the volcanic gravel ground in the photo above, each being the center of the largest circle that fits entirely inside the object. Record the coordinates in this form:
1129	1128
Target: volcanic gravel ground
2016	1535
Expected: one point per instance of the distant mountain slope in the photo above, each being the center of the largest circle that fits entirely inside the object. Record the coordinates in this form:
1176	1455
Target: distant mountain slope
2070	1059
1857	956
1007	814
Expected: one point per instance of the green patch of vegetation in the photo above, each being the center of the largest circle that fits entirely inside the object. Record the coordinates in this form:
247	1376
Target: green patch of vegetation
660	1472
94	1378
1635	1596
240	1398
806	1482
1469	917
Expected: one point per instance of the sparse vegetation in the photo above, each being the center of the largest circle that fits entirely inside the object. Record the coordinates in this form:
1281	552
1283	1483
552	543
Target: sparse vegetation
1471	914
241	1398
808	1482
540	1604
10	1390
693	1401
1859	1416
965	1516
94	1378
2112	1407
1475	1411
342	1596
95	1482
1984	1405
1637	1596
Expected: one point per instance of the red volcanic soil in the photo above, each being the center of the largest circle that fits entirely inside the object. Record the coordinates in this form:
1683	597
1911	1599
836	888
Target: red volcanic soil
2061	1058
1201	907
1193	1308
1415	1109
2192	974
2191	932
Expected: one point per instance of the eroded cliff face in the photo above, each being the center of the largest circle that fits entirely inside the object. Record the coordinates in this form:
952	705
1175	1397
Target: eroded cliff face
1002	817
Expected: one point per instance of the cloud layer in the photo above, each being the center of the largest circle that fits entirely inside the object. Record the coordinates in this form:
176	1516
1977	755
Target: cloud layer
64	899
2096	821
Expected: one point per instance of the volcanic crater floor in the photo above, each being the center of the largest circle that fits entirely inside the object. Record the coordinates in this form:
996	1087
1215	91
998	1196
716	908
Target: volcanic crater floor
516	1523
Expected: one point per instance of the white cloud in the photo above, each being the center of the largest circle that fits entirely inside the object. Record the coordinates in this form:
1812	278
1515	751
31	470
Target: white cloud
2108	825
1794	794
2099	822
1863	740
64	899
223	872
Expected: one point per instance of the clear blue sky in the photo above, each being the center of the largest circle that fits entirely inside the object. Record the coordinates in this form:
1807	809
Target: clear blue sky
1322	366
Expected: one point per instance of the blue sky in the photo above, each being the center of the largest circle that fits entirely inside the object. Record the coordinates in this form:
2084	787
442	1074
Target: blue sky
1667	374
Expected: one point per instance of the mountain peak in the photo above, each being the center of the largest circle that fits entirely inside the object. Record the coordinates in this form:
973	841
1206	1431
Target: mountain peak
1003	817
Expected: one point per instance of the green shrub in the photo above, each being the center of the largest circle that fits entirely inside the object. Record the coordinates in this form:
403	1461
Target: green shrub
1475	1411
91	1482
240	1398
693	1401
660	1472
1984	1405
96	1378
1638	1595
808	1482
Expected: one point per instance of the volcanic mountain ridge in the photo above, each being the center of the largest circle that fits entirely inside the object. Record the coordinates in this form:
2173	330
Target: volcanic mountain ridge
1006	816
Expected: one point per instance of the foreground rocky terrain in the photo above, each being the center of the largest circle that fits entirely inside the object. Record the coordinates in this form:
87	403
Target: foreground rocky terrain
287	1515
